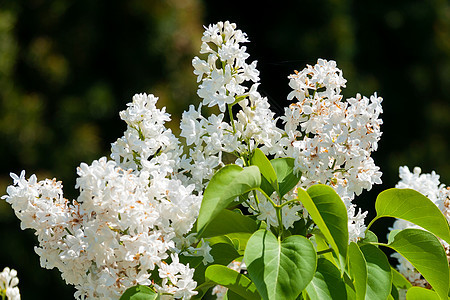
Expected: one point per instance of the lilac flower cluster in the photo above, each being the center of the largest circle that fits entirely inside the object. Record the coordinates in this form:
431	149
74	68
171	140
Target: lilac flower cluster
427	184
134	216
8	284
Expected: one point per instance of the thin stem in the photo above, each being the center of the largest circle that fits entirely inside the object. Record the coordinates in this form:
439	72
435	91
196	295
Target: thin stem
267	197
230	113
243	160
289	202
370	224
334	163
280	220
378	244
256	196
277	210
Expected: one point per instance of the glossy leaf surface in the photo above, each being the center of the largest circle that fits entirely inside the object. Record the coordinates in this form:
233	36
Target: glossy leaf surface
330	214
225	186
327	282
414	207
237	282
424	251
280	269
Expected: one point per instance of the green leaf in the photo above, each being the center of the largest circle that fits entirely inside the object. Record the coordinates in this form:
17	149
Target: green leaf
193	261
227	184
139	292
369	238
358	270
399	280
420	293
265	167
230	295
287	179
414	207
350	292
379	277
266	186
392	235
239	240
327	282
322	245
280	269
424	251
202	289
299	227
223	250
394	292
237	282
228	221
329	213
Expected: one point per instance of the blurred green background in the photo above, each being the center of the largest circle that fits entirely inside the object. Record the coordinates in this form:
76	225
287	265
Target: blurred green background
68	67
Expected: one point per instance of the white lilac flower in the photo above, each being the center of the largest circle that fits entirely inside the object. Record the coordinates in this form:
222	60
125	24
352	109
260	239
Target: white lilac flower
8	284
330	139
356	226
256	123
265	211
222	78
191	127
134	214
203	250
225	69
427	184
130	216
176	279
146	138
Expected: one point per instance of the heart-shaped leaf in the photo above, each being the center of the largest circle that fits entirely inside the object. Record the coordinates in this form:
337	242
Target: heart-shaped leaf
223	250
265	167
419	293
226	185
424	251
280	269
399	280
237	282
330	214
414	207
287	178
358	270
327	282
227	221
379	277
